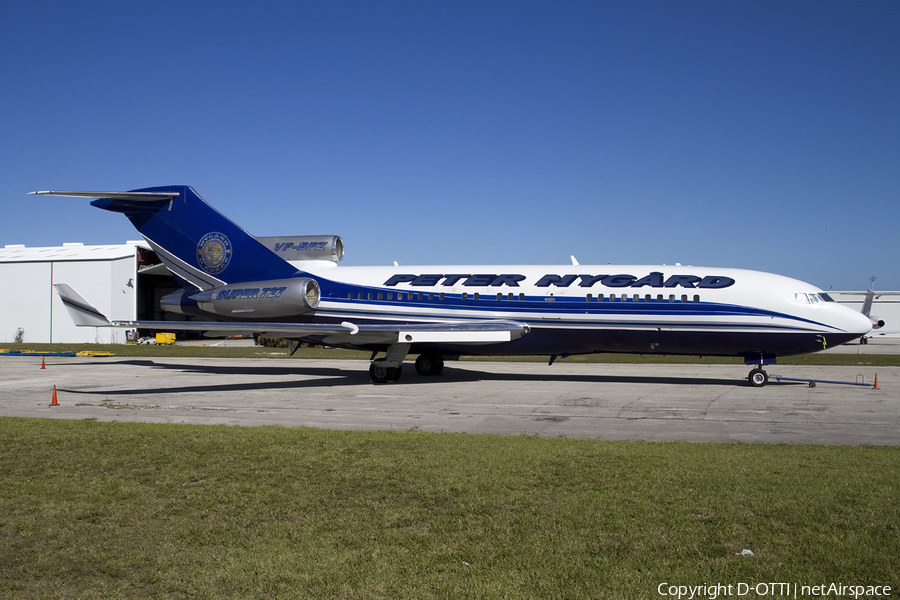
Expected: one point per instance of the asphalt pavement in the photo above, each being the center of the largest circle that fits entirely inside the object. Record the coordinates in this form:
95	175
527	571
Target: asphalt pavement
698	403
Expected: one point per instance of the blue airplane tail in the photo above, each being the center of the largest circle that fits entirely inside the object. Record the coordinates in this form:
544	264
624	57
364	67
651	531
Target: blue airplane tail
199	245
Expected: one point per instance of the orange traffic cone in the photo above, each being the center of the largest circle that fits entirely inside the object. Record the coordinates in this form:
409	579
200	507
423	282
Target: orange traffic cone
43	364
876	383
54	402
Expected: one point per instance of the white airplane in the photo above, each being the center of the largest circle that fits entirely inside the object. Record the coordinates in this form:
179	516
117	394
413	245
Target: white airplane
293	288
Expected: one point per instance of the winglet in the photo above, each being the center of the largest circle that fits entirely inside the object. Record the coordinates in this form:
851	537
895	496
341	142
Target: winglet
81	311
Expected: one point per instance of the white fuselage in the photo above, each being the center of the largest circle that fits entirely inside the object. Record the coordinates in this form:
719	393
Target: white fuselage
662	309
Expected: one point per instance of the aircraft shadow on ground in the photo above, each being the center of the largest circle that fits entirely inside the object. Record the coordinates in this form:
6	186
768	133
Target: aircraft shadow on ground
330	377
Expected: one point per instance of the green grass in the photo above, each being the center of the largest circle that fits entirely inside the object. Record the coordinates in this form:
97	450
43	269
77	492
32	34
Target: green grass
885	360
112	510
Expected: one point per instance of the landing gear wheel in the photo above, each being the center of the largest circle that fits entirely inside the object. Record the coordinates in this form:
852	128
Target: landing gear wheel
379	374
382	374
429	364
758	377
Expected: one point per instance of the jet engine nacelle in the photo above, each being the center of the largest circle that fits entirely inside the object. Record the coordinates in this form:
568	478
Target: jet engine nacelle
876	322
305	247
252	299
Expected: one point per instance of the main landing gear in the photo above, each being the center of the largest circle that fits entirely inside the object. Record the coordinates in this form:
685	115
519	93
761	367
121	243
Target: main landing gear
390	367
429	364
383	374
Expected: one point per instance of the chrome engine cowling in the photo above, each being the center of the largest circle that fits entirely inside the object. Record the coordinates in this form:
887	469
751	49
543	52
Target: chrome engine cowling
253	299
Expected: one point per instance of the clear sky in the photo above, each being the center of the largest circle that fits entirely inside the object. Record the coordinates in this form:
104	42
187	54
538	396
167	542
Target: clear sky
762	135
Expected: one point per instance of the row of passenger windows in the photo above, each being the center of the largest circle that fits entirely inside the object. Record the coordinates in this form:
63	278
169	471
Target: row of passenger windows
520	297
645	298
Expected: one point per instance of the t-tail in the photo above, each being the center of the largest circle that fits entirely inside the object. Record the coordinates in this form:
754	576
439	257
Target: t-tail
201	247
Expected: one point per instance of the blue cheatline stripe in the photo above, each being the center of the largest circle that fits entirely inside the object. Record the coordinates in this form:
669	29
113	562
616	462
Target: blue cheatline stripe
563	324
382	312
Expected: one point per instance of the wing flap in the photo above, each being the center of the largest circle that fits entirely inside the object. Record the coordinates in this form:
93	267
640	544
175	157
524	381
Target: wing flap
468	332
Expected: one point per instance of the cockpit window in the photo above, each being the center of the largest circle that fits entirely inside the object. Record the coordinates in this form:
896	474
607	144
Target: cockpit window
812	298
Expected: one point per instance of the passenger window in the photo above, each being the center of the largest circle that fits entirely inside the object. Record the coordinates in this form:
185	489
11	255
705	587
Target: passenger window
476	295
696	298
637	297
390	296
499	296
465	296
510	296
442	295
659	297
684	297
648	298
521	297
370	295
600	297
380	295
671	297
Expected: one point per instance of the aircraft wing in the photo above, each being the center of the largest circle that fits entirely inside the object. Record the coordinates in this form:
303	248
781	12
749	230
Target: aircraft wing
346	333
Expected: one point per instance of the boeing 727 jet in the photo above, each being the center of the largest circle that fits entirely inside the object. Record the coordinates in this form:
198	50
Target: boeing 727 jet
293	288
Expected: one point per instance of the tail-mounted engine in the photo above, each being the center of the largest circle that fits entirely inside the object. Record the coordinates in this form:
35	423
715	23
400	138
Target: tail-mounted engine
251	300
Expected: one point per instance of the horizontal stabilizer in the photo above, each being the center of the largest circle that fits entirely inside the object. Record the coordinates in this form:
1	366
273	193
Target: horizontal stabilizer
134	196
81	311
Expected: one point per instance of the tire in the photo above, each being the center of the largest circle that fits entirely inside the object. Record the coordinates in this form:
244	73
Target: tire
429	364
758	377
379	374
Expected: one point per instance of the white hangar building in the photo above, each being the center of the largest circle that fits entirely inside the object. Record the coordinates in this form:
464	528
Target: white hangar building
124	281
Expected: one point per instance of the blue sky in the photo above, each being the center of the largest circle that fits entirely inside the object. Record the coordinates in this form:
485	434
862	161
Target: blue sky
762	135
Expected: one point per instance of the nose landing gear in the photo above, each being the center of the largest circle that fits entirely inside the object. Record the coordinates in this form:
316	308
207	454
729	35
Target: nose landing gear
758	377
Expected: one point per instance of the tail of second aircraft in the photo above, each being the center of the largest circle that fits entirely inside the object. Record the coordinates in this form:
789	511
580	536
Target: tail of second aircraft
201	247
